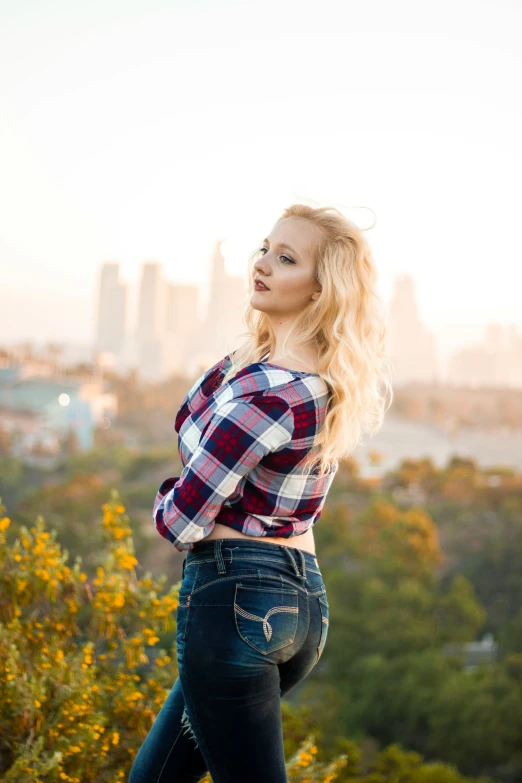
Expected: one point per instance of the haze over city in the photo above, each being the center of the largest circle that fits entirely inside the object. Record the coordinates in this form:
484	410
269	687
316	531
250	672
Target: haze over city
133	136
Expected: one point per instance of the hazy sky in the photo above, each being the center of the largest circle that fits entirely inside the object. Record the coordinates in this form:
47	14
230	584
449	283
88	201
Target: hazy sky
135	131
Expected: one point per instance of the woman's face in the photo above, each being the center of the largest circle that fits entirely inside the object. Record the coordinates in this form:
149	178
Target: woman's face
287	268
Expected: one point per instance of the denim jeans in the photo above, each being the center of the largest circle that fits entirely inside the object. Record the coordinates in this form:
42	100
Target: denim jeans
252	622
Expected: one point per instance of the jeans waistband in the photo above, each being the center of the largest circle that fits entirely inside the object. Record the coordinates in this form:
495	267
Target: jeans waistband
213	550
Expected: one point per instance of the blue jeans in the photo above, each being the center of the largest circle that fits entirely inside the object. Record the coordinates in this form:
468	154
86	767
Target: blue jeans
252	622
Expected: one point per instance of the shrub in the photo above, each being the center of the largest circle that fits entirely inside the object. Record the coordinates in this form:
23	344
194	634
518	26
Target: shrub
85	673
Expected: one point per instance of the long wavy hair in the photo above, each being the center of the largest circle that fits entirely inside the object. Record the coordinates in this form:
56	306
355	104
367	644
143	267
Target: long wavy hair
348	328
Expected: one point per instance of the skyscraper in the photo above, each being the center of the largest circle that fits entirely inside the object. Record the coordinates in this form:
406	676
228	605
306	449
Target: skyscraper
183	328
150	331
112	310
225	309
412	348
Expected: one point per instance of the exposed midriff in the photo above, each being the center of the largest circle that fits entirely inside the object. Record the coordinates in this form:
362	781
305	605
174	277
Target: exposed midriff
304	541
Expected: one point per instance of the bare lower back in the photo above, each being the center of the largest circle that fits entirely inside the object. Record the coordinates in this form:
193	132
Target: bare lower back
305	541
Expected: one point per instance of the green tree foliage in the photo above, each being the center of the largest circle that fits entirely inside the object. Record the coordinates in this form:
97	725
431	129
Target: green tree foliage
391	620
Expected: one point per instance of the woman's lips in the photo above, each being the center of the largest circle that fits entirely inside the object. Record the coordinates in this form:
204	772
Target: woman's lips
260	287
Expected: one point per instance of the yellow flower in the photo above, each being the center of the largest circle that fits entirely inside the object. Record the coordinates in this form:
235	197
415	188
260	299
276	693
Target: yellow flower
126	560
152	640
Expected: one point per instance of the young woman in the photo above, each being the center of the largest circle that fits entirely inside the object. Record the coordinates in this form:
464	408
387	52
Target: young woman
260	438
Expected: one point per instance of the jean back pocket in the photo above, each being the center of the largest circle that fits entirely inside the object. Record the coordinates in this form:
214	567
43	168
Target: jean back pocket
266	618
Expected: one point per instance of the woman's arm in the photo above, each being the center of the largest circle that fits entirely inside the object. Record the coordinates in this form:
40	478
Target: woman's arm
239	434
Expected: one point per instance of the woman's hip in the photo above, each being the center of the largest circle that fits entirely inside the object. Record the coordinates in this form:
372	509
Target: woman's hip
248	603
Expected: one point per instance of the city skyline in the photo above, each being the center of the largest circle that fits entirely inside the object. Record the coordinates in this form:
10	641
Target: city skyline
172	331
125	314
117	310
187	136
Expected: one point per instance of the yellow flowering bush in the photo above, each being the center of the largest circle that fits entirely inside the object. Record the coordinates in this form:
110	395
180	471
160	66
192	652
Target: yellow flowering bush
75	704
83	677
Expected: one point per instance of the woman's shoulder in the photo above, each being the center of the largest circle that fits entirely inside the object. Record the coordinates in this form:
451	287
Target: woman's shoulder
257	383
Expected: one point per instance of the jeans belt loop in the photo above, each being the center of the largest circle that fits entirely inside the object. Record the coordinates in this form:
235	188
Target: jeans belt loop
286	550
303	563
218	556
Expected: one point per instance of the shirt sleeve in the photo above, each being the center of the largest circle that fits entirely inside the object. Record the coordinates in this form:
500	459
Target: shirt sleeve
201	386
240	433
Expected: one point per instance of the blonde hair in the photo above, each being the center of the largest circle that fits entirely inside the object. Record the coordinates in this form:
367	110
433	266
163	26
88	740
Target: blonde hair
347	326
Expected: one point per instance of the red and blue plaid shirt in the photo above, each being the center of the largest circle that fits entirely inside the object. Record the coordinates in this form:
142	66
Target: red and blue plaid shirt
241	444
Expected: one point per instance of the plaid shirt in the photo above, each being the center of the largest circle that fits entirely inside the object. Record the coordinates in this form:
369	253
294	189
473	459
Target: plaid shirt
240	445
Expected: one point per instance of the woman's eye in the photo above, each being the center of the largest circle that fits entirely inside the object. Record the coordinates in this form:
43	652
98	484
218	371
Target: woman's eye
265	248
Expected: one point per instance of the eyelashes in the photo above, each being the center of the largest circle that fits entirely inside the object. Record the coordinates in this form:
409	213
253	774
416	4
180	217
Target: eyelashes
288	259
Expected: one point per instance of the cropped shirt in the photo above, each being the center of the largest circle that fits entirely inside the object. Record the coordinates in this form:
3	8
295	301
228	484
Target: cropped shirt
241	445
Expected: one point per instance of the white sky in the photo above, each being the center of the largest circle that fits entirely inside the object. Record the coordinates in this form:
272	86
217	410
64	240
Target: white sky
135	131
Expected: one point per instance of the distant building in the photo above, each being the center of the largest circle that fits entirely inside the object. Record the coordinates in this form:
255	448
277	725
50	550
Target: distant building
182	328
495	362
39	411
150	329
112	310
474	654
224	317
412	347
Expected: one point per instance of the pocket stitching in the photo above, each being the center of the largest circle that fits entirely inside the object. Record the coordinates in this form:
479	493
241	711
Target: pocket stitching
239	611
